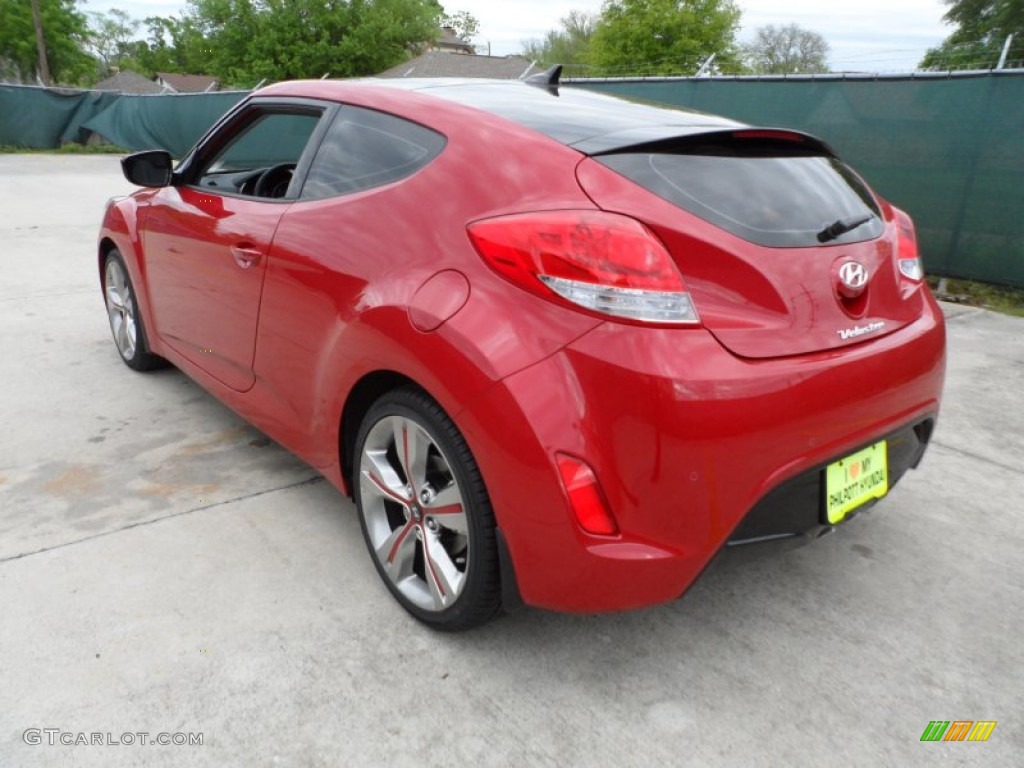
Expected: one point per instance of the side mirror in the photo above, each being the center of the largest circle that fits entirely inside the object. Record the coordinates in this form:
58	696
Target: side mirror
148	169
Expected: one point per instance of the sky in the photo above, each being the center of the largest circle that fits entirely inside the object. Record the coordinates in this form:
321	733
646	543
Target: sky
864	35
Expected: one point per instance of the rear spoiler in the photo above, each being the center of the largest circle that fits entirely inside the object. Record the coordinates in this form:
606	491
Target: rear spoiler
670	139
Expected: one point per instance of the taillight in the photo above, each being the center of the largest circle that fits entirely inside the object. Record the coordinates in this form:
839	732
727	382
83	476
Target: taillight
770	133
907	255
585	496
603	262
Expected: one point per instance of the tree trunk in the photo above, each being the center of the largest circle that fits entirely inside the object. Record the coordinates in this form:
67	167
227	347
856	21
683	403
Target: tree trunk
44	64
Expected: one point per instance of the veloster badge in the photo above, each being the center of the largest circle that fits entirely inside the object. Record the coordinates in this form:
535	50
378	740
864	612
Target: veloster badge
860	330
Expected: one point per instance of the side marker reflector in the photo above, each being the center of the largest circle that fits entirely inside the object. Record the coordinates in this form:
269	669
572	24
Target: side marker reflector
585	496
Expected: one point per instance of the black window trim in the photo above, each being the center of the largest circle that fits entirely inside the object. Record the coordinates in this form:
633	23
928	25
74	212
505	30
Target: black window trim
214	140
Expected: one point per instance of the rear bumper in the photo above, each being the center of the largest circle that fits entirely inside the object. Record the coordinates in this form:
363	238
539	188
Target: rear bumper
793	509
693	447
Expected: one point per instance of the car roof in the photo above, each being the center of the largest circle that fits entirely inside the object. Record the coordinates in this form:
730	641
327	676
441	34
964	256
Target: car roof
588	121
585	120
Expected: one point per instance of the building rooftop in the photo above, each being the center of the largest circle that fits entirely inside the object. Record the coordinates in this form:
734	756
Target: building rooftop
127	81
449	64
187	83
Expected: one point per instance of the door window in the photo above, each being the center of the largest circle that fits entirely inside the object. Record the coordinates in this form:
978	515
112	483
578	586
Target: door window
260	159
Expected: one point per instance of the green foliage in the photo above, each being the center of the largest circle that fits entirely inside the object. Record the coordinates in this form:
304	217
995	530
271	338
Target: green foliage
110	37
982	28
569	45
1009	301
465	24
171	45
662	37
241	42
785	50
245	41
65	31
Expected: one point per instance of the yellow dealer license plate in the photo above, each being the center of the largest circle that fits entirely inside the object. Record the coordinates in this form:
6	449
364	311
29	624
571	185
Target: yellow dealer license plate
855	480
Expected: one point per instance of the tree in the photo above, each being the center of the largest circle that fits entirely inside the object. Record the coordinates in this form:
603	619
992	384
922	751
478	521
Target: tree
246	41
44	62
982	29
111	36
569	46
171	45
786	50
464	23
662	37
63	32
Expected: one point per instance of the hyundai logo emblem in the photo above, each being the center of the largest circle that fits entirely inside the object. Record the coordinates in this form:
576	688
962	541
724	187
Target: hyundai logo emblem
853	276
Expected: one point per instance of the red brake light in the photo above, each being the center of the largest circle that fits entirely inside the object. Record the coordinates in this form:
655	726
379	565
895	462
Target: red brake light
600	261
907	254
770	134
585	496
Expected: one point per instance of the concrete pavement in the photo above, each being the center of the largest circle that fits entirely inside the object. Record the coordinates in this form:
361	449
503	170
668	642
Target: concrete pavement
164	568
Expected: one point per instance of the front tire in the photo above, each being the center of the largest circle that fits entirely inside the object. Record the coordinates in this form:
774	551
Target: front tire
425	513
125	319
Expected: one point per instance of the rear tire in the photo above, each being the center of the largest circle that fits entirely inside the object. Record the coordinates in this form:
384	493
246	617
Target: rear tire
125	319
425	513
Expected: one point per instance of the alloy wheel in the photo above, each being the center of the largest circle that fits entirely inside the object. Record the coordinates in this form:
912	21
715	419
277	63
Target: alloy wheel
120	309
414	513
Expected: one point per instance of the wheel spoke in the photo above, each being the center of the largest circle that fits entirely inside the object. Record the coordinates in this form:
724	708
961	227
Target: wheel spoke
114	297
125	343
443	578
398	551
412	445
117	278
383	478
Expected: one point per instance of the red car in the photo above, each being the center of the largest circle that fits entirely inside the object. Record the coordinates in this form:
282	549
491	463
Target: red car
559	347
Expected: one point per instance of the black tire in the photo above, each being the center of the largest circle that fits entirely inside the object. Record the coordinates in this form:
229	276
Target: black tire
439	563
125	320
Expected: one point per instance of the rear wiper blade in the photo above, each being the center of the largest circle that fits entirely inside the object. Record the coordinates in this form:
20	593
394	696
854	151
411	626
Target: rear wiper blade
841	227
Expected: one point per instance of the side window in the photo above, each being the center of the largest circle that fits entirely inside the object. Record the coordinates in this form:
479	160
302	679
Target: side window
363	149
260	158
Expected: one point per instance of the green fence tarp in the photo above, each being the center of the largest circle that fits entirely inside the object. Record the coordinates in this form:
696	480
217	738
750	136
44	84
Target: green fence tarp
173	122
950	151
45	118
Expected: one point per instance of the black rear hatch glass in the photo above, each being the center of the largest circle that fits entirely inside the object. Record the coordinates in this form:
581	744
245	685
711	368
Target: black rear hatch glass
770	191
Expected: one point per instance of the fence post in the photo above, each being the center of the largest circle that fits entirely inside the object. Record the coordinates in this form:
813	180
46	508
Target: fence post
1006	51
